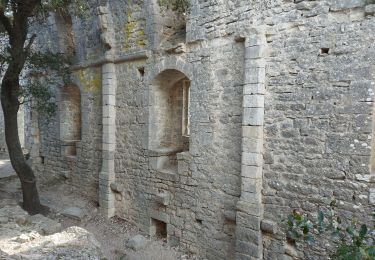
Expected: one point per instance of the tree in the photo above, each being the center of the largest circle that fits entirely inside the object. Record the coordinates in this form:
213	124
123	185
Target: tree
15	20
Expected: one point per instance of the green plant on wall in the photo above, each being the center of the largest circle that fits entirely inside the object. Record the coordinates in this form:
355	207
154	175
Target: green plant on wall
180	6
353	241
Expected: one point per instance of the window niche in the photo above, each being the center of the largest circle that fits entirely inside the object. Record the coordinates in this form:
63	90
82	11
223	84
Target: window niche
169	130
70	119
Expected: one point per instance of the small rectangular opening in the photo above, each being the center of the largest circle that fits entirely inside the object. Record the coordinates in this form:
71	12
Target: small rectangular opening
158	228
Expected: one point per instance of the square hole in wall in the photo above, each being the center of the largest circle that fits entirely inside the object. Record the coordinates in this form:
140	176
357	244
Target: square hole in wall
158	228
324	51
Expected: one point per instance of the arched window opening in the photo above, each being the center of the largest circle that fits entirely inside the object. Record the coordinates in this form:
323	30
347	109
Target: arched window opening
169	118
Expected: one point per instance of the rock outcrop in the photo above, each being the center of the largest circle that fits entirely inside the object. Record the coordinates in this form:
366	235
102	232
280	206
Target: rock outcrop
30	237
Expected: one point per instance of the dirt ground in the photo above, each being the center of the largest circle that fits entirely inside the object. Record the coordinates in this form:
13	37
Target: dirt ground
111	233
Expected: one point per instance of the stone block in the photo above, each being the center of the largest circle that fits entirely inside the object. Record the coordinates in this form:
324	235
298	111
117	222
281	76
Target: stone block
163	198
372	196
74	212
337	5
370	9
249	221
255	52
250	249
255	40
252	208
255	76
116	187
109	110
137	242
248	235
268	226
255	101
252	145
251	185
159	215
253	116
230	215
252	159
255	132
255	63
109	100
109	147
254	172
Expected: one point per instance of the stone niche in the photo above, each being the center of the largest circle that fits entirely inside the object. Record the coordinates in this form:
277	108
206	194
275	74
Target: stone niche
169	120
70	120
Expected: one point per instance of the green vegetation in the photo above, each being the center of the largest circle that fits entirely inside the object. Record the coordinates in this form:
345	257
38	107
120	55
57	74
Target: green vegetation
353	241
180	6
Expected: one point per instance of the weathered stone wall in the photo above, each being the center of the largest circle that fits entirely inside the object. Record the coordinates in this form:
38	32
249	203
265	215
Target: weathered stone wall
281	100
73	153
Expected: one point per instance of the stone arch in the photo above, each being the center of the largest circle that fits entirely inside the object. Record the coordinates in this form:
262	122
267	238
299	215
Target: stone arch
70	118
169	111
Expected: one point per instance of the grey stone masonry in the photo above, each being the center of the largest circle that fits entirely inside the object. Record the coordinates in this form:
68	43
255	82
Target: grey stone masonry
208	127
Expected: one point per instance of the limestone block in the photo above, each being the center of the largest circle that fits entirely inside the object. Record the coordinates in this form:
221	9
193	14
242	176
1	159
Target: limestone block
252	159
249	197
109	100
230	215
74	212
159	215
116	187
255	75
255	52
370	9
337	5
255	101
252	145
251	185
137	242
255	63
372	197
255	40
253	116
252	132
163	198
109	110
253	209
248	235
268	226
251	89
250	249
254	172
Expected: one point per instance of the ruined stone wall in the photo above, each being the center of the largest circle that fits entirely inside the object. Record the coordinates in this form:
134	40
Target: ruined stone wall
67	146
281	97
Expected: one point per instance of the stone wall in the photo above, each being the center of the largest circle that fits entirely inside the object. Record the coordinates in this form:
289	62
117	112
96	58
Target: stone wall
281	101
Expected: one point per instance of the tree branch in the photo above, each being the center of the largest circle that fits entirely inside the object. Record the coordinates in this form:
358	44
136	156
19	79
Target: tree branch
5	21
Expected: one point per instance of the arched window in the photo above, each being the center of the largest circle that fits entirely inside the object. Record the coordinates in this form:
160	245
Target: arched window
169	122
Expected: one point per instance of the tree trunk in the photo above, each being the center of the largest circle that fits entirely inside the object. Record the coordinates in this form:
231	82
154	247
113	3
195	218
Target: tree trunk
31	202
17	29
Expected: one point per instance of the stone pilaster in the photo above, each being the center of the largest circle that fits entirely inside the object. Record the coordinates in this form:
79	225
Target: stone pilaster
109	86
249	207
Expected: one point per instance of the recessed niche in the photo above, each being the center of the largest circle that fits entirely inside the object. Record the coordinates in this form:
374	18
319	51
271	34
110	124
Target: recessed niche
158	228
324	51
141	71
